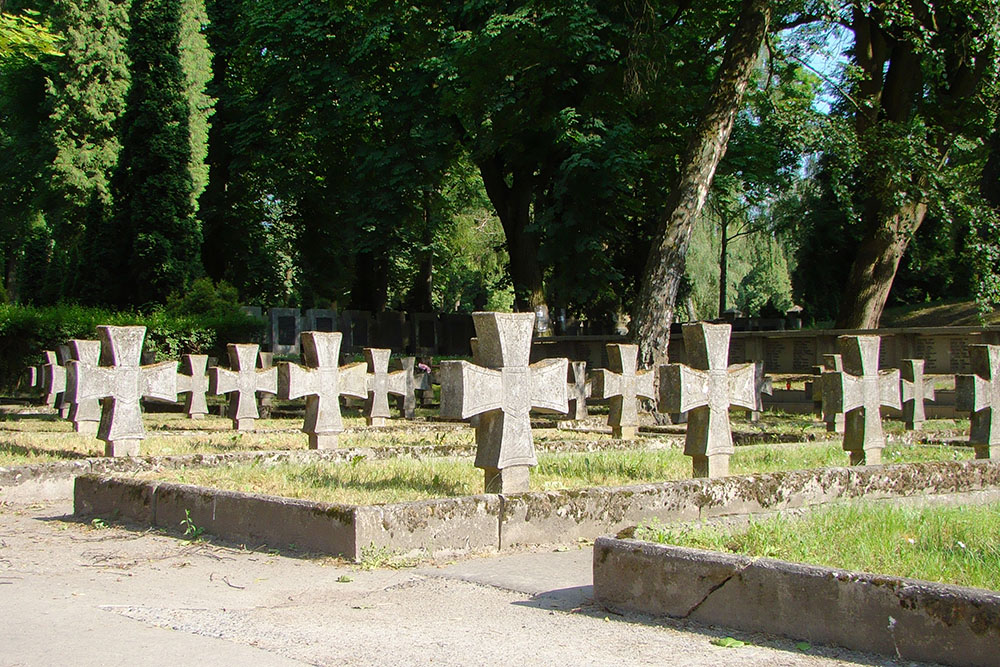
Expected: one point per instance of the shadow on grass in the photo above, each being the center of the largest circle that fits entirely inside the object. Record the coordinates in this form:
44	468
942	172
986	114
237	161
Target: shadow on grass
32	416
24	450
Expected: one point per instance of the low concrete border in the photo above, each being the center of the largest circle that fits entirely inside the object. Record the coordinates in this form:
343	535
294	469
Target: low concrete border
914	620
507	521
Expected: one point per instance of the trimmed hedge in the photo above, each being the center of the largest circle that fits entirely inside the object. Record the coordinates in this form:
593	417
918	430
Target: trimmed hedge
26	332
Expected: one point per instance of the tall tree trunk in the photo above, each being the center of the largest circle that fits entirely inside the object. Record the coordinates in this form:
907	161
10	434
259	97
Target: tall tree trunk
513	206
723	265
668	254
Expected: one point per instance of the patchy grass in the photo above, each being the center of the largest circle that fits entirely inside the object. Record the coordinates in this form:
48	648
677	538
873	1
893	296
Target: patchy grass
373	482
956	545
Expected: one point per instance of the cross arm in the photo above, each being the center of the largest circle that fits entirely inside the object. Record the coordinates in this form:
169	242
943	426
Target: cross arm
682	388
548	385
605	383
295	381
221	380
841	392
159	381
888	388
267	380
743	385
468	390
354	380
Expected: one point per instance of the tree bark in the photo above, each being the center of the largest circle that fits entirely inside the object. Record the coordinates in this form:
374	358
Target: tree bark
723	265
668	254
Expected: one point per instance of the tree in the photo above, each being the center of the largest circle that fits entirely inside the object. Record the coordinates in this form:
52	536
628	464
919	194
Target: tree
24	35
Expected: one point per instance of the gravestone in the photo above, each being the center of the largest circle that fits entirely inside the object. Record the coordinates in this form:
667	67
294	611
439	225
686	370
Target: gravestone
285	325
192	381
859	391
424	333
33	378
913	392
456	330
120	382
502	391
380	383
578	389
265	400
242	383
623	384
321	319
762	384
407	401
391	330
53	380
979	394
705	390
423	379
322	381
85	413
253	311
832	417
63	356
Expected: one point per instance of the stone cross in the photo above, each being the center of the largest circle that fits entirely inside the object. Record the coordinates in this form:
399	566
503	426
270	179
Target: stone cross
242	383
623	384
705	391
381	383
502	391
979	394
53	380
833	418
762	384
579	390
407	401
859	391
265	400
914	391
120	382
193	382
85	413
322	382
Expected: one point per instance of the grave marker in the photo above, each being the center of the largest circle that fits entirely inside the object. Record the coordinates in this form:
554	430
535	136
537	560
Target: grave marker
321	319
859	391
85	413
705	391
623	384
762	384
381	383
192	381
407	401
832	417
63	356
502	391
285	325
322	382
579	389
120	382
913	392
242	383
979	394
53	380
265	400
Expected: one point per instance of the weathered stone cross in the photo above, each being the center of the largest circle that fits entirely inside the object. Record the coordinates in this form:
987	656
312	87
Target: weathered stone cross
833	418
858	391
762	384
914	391
242	383
322	382
579	390
53	380
85	413
380	384
705	390
193	381
979	394
623	384
502	391
120	382
407	401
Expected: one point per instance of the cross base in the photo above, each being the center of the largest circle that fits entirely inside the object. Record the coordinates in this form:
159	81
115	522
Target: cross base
508	480
375	421
835	425
678	418
870	457
987	452
753	415
913	426
122	447
624	432
86	428
64	412
323	441
244	424
196	415
712	466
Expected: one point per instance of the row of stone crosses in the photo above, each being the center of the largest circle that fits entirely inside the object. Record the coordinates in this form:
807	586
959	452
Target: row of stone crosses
104	381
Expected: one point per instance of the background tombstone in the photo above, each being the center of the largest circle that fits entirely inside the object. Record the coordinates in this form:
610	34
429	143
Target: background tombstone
356	326
285	324
253	311
193	382
579	389
321	319
391	331
502	391
979	394
33	378
456	330
242	383
120	382
53	380
424	333
407	401
914	390
321	381
85	413
705	390
380	383
623	384
832	417
859	391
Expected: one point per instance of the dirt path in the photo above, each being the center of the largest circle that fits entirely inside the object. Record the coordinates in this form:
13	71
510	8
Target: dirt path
75	594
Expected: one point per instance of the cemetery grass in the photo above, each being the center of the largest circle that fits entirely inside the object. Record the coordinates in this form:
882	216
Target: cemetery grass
947	544
366	482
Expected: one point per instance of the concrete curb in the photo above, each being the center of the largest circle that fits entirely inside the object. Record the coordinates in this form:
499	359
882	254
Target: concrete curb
905	618
502	522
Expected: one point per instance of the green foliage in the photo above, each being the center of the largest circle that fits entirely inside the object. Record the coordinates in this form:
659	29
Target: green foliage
191	531
25	35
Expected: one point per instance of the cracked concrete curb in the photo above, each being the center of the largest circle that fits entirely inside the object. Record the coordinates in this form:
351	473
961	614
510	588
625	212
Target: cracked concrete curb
905	618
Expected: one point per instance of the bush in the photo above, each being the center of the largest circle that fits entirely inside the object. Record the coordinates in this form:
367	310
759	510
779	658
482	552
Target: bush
26	332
